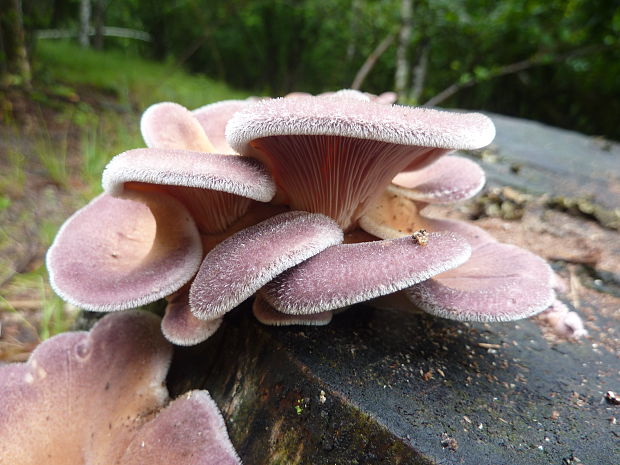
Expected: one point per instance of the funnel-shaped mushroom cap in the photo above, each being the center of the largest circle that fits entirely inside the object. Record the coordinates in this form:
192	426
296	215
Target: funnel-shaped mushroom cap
181	327
215	188
169	125
346	274
449	179
189	431
500	282
93	397
268	315
213	119
116	254
335	155
238	267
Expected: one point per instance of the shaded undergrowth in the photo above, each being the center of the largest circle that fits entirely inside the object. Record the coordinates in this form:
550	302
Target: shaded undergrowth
55	140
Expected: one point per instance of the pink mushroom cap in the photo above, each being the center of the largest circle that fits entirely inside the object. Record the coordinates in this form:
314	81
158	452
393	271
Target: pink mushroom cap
116	254
100	398
335	155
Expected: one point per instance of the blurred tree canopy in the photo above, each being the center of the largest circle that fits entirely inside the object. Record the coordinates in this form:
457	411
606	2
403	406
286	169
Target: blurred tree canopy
557	61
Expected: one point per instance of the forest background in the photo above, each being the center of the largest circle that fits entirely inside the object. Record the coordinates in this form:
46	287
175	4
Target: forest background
555	61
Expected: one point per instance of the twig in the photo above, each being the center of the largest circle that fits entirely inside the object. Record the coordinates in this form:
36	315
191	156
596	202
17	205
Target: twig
538	59
372	60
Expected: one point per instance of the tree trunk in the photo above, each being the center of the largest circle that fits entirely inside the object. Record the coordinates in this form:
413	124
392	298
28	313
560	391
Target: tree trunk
419	74
402	60
99	20
13	44
84	23
356	10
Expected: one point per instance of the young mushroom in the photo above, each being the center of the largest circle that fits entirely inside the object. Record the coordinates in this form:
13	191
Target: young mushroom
99	398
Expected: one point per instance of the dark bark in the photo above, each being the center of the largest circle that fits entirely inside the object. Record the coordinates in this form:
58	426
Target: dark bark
99	22
419	73
14	52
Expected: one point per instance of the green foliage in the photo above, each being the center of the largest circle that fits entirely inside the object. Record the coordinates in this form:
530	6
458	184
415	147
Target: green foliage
138	83
570	48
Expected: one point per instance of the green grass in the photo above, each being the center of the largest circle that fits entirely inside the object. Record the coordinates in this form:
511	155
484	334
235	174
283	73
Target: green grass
86	109
54	316
130	78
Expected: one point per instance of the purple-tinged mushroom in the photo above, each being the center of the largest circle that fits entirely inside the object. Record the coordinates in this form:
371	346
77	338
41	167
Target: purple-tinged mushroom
563	322
163	208
242	264
313	146
322	209
268	315
336	155
99	397
499	282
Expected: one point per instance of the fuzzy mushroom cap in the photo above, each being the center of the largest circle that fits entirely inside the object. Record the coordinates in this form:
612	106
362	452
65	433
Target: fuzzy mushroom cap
346	274
181	327
238	267
449	179
116	254
217	189
169	125
335	155
213	119
93	397
500	282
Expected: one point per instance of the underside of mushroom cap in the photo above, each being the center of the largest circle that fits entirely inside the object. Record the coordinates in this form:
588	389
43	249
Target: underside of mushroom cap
181	327
449	179
217	189
334	155
116	254
93	398
346	274
238	267
395	216
213	119
268	315
500	282
169	125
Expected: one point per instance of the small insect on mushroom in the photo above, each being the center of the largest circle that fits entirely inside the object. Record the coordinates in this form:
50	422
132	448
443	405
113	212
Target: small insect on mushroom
420	236
612	398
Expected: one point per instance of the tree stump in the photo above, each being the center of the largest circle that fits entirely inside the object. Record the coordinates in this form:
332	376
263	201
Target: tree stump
396	387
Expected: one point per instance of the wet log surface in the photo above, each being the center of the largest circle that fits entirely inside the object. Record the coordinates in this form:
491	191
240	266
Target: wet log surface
392	386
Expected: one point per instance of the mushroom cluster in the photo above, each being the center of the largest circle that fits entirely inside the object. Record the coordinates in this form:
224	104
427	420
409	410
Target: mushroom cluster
99	398
310	204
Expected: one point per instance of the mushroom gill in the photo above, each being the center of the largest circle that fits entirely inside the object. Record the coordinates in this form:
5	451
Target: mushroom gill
335	155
